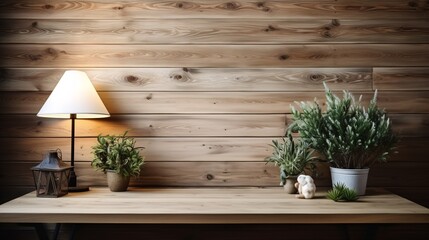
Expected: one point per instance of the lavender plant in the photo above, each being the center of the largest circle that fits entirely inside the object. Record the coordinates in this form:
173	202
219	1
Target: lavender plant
292	157
348	135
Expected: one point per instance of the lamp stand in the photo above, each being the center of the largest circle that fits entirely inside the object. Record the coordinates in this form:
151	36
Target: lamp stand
73	187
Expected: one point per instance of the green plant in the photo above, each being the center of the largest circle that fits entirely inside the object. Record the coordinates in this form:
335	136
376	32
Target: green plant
117	153
347	134
342	193
292	157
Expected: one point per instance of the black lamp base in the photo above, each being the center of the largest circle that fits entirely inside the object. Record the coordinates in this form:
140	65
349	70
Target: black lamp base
79	189
73	186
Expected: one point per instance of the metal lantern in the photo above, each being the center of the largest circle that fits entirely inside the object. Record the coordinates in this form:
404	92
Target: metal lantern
51	176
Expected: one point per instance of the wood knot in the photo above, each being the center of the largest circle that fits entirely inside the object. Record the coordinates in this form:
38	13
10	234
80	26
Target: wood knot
181	76
335	22
34	24
231	6
118	8
184	5
283	57
177	77
131	79
209	177
327	34
52	52
262	5
48	6
270	28
149	97
34	57
315	77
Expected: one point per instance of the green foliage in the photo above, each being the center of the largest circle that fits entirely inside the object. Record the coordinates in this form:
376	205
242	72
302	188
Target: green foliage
347	134
292	157
117	153
342	193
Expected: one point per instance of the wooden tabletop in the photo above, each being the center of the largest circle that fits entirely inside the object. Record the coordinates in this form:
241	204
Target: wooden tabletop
210	205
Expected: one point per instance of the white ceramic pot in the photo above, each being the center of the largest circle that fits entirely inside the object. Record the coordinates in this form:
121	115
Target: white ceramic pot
353	178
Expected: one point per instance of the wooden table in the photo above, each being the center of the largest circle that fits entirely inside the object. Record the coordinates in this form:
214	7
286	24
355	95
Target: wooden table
210	205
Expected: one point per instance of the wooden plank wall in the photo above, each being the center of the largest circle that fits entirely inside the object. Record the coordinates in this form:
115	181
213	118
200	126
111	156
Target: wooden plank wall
205	85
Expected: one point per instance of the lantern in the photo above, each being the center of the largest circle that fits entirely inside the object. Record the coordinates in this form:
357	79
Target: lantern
51	176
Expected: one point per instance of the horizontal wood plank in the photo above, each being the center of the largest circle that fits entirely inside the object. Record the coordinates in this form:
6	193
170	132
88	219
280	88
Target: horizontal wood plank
222	174
156	149
213	31
213	102
180	149
410	102
244	56
164	174
400	79
175	125
193	79
182	125
58	9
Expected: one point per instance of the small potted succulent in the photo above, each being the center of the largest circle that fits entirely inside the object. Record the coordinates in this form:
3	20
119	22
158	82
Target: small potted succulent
293	157
119	158
350	136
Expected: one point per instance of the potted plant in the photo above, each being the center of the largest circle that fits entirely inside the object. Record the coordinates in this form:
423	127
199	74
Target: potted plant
350	137
119	158
293	158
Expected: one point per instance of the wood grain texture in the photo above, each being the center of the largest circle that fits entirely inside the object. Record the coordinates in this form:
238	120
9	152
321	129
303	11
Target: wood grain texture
213	31
193	79
411	102
173	149
213	102
156	149
223	205
182	125
206	85
112	9
399	79
170	125
164	174
214	174
237	56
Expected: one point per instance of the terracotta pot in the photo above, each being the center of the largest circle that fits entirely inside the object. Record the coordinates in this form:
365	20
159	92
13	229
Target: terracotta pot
116	182
290	185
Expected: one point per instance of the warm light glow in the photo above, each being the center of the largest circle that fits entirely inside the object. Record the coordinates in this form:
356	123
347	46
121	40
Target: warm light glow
74	94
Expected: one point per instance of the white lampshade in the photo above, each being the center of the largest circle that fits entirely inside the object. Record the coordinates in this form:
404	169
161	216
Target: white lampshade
74	94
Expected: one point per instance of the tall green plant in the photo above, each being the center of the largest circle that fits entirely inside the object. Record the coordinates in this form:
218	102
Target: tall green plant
347	134
117	153
292	157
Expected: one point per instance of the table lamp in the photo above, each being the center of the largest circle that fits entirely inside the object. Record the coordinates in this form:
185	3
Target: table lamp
74	97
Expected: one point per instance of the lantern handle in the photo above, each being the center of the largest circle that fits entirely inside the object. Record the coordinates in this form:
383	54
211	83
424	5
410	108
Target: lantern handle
59	154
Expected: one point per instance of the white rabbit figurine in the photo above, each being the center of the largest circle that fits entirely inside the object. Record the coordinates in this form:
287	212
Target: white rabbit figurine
306	187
